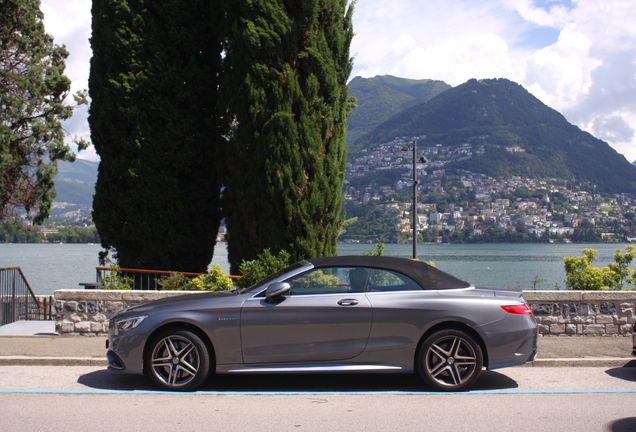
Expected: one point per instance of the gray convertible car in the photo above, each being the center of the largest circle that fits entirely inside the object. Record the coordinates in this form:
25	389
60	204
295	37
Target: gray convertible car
325	315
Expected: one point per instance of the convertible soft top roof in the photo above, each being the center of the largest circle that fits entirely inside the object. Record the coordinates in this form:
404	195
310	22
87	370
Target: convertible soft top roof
427	276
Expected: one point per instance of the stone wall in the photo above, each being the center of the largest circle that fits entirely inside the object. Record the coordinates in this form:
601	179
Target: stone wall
86	312
583	312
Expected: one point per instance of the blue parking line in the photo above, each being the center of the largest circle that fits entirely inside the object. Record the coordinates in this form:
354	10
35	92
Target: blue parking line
307	393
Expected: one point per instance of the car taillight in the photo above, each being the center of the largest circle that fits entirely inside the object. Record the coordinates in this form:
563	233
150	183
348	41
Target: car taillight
517	309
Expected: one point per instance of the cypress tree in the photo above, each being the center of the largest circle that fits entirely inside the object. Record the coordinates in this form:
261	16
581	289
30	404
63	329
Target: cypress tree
285	94
153	119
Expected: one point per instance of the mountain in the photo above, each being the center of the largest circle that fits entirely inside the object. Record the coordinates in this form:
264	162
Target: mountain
380	98
519	135
75	182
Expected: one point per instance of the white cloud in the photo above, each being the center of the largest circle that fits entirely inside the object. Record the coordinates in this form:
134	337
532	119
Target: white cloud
589	74
448	40
456	61
556	15
560	74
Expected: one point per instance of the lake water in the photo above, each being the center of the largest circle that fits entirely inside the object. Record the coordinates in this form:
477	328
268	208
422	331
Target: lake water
49	267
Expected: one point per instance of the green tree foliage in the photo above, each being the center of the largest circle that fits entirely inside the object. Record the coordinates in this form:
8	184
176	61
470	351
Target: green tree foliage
285	74
373	221
264	265
621	263
317	279
33	89
14	232
581	275
153	118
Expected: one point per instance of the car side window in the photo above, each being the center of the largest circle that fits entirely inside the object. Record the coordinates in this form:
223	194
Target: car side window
386	280
330	280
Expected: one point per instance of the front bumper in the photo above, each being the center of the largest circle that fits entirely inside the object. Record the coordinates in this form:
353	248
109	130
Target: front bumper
125	352
114	362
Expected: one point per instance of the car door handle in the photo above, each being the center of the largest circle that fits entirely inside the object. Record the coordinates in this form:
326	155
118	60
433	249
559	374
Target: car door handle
348	302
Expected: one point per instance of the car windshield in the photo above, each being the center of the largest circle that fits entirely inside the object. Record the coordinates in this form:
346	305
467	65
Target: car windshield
276	275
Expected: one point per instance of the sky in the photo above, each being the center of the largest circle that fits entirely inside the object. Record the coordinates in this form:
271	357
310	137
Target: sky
578	57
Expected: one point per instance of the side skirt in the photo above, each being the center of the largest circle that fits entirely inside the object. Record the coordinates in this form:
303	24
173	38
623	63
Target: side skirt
310	368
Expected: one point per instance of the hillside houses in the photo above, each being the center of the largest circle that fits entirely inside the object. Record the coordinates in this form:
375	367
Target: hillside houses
549	208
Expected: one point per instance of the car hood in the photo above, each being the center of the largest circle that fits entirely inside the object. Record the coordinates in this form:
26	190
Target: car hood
185	301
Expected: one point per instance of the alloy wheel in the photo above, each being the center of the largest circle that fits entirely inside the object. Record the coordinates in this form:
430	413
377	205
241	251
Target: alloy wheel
178	361
451	360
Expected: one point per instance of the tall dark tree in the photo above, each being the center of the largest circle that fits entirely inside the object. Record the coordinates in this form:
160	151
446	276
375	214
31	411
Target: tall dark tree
285	93
153	85
33	89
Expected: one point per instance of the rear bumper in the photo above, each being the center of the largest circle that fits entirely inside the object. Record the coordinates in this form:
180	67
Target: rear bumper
516	346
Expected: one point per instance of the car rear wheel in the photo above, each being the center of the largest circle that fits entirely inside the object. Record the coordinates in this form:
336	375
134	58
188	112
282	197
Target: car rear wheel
178	360
450	360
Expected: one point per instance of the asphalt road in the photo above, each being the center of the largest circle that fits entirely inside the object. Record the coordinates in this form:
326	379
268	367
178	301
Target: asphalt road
44	398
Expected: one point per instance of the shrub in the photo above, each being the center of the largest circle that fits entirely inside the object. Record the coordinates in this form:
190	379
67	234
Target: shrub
215	280
115	281
581	275
264	265
174	282
379	250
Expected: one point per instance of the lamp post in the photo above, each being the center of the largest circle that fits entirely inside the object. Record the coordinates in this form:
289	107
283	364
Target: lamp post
414	211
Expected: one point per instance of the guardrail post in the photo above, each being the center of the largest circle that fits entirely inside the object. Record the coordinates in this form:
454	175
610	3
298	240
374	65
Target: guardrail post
13	299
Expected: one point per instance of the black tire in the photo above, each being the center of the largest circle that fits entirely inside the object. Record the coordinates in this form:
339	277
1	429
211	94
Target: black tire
177	360
450	360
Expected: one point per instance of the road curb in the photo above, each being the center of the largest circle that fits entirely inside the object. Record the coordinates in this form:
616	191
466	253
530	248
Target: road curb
583	362
52	361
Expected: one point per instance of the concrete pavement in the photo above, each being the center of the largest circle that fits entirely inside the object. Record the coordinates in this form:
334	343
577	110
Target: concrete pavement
36	343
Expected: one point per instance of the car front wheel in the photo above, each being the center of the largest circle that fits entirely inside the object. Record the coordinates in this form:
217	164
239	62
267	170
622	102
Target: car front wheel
178	360
450	360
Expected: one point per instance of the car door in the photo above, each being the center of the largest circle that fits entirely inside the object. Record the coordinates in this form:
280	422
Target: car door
325	317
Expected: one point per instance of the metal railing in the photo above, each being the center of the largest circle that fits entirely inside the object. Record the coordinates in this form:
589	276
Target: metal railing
46	312
17	301
142	279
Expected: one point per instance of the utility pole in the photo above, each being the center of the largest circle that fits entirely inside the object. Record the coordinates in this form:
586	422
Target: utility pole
414	211
414	200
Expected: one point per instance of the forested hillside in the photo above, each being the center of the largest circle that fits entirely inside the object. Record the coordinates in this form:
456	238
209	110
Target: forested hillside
75	182
517	134
380	98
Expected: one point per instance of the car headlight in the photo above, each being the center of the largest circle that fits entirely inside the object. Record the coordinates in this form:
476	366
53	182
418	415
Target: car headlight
125	324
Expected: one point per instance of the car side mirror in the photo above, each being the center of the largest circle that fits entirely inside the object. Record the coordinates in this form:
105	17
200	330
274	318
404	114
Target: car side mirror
277	289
